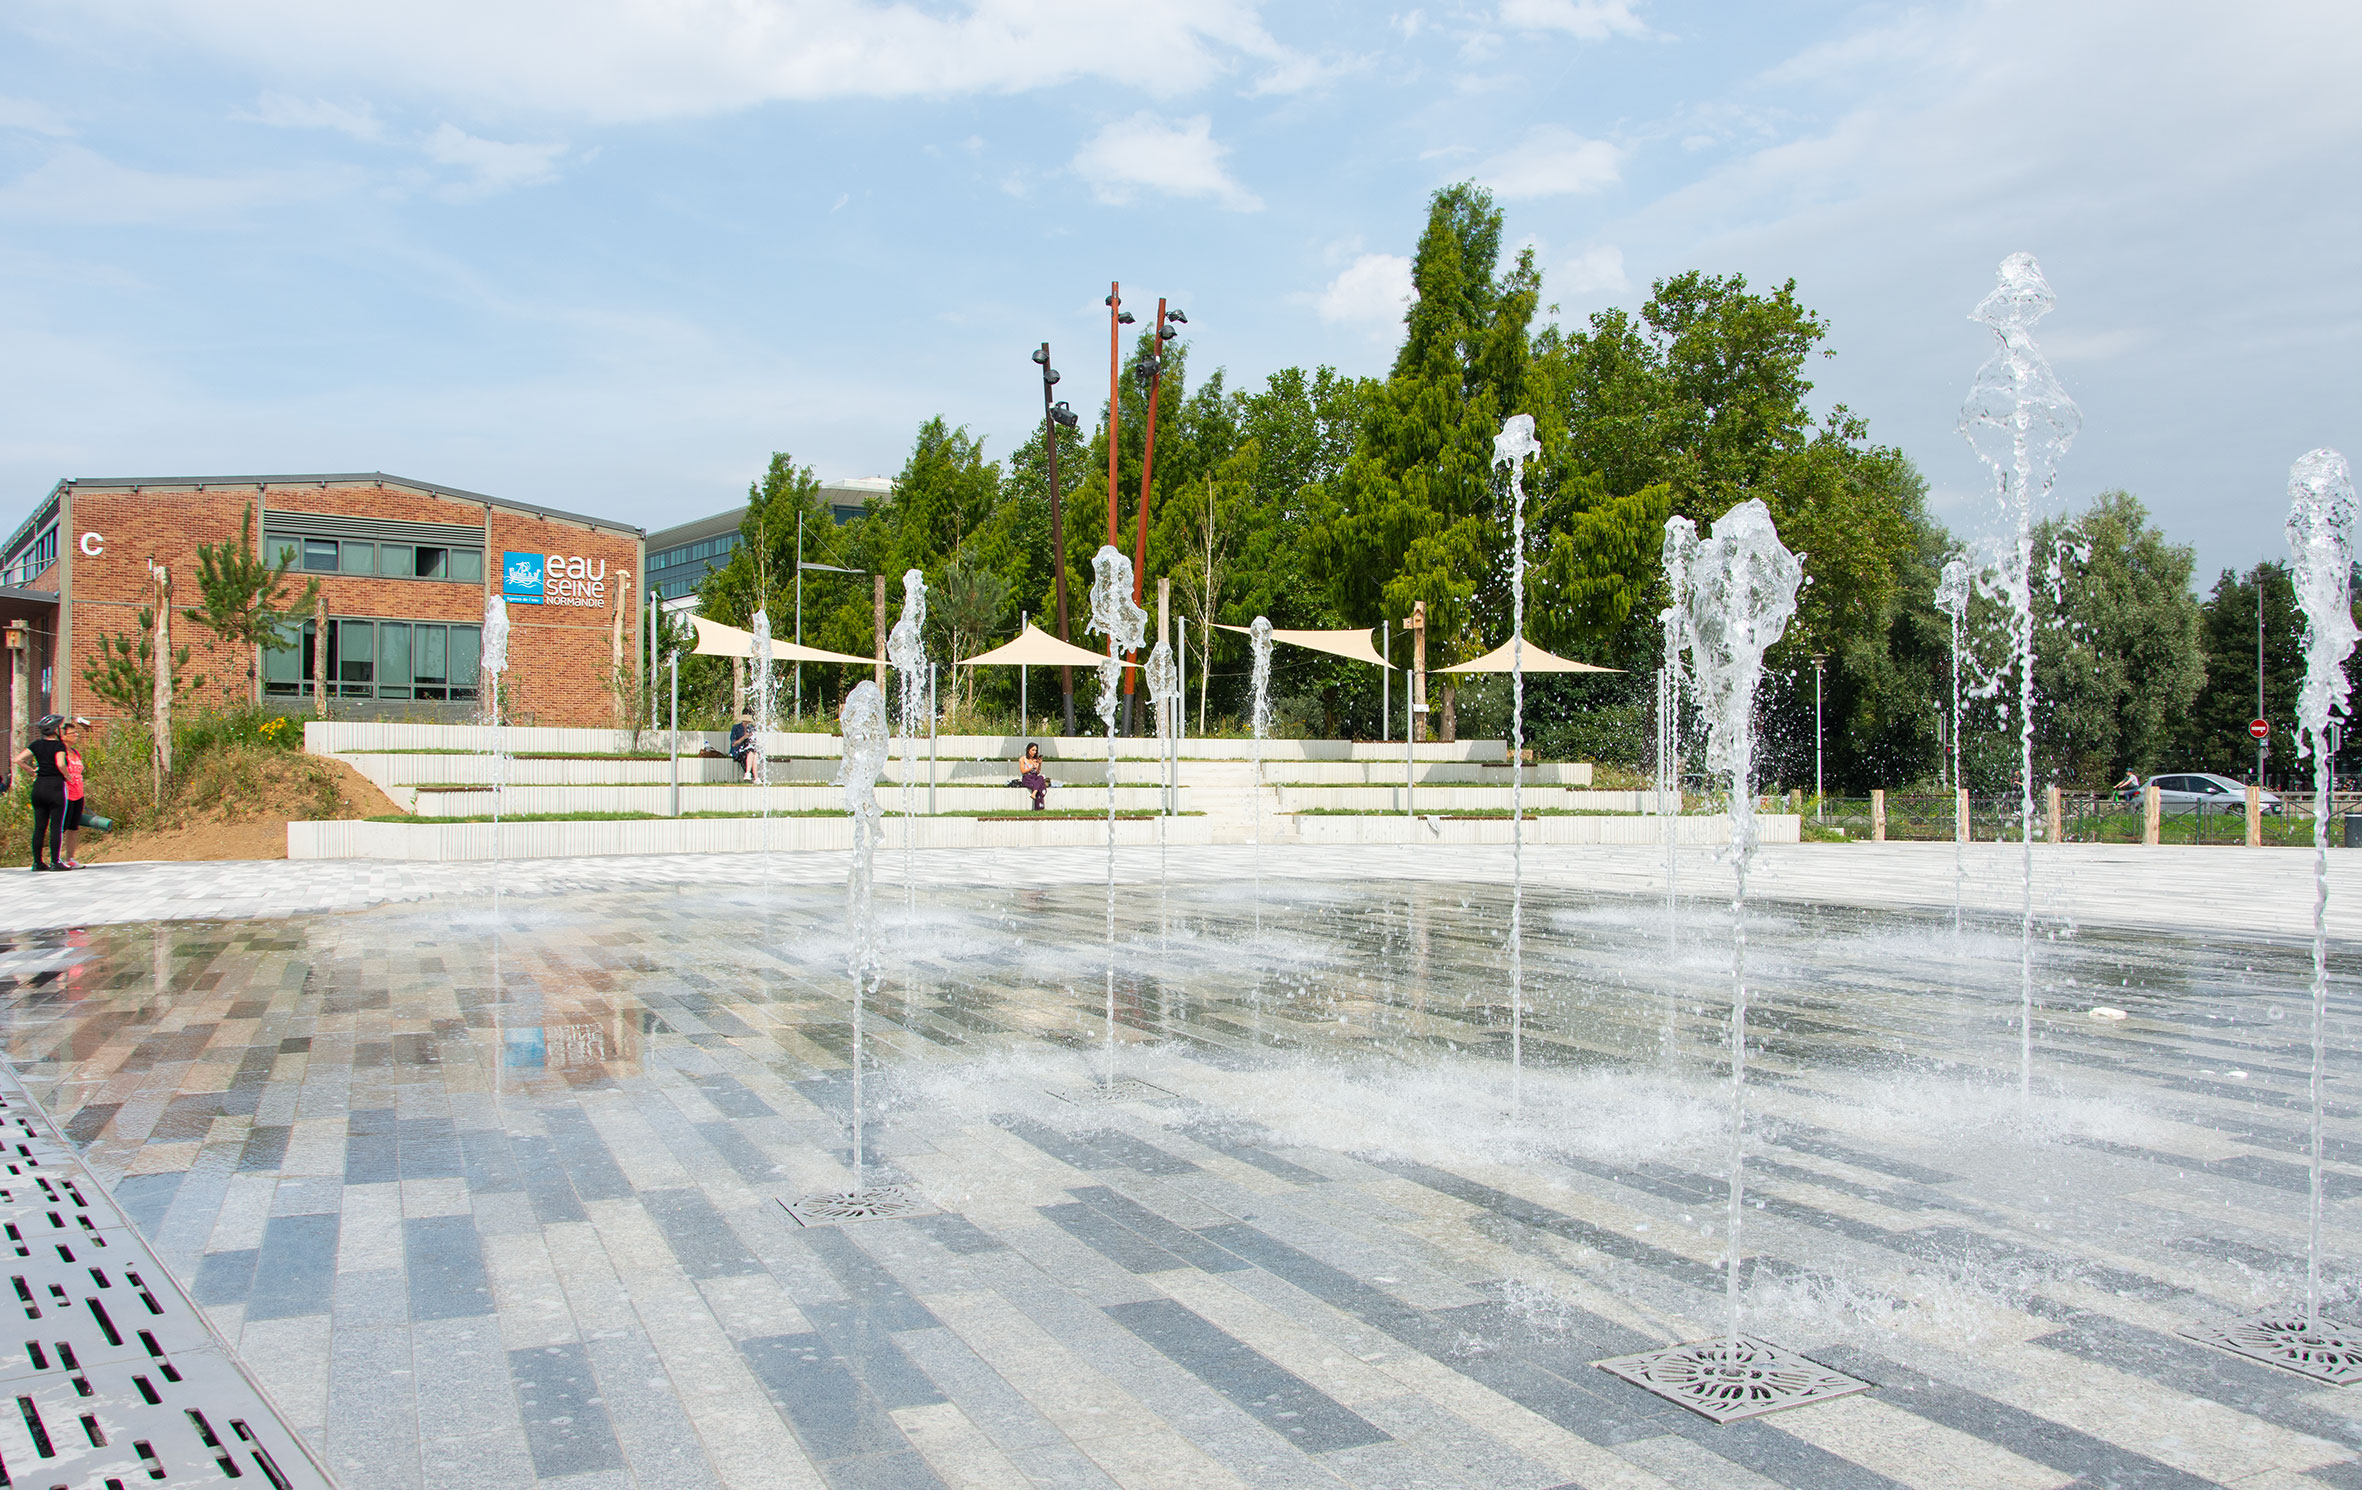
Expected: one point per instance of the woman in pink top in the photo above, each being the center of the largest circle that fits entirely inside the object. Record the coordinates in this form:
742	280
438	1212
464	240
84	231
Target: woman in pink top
71	764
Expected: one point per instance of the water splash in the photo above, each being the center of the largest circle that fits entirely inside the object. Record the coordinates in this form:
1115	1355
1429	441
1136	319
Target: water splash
906	650
1681	536
1513	447
2321	519
1259	643
863	722
765	657
1125	625
1164	692
2020	422
1739	596
1952	592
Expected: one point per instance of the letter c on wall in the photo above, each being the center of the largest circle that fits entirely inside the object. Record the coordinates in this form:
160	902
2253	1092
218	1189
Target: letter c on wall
94	545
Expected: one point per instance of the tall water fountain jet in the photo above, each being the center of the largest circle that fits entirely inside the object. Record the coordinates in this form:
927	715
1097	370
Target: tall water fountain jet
491	667
906	649
1952	591
1125	625
1259	718
764	658
863	723
2020	421
2321	523
1681	538
1739	595
1513	447
1164	694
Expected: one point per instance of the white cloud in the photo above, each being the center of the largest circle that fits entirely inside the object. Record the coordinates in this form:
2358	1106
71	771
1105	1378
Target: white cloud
34	118
1585	20
1178	158
1595	271
282	111
492	165
651	59
1371	292
81	187
1551	161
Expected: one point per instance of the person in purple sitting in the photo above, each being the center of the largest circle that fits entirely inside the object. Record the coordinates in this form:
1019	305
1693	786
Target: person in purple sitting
1032	778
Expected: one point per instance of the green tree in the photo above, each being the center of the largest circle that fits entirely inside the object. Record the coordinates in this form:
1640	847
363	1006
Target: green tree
2118	657
2213	734
760	574
1415	514
969	602
241	596
124	671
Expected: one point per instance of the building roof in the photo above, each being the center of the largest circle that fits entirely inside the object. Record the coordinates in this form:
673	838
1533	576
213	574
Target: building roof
849	491
344	478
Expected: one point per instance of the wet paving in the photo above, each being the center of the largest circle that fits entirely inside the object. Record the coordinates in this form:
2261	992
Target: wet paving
486	1195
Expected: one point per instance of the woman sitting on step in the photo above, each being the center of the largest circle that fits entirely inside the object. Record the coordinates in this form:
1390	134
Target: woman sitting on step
1033	780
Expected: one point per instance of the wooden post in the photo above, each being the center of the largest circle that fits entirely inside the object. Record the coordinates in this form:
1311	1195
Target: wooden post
160	713
20	686
320	658
1960	832
2055	814
737	688
2255	815
1416	625
2150	808
623	589
1878	814
880	622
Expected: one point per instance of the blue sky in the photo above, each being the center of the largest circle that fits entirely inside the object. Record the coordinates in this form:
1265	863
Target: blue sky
608	254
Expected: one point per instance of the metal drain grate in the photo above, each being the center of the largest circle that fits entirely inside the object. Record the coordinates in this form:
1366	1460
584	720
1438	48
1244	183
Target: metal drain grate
116	1378
1727	1380
1122	1089
836	1207
2322	1349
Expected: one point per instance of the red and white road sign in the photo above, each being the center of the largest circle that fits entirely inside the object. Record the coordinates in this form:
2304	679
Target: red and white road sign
2259	728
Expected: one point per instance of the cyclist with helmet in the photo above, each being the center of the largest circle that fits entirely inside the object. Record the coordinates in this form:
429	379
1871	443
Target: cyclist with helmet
45	757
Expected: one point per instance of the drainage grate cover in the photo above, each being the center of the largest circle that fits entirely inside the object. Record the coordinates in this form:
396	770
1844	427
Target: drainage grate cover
2323	1349
1122	1089
836	1207
117	1380
1727	1380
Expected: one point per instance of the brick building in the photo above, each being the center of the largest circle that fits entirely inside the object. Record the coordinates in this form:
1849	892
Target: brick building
405	569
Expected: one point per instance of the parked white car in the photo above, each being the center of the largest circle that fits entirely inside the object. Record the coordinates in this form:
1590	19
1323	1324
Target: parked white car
2201	791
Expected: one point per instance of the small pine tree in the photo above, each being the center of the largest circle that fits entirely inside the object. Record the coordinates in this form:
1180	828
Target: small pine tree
124	671
241	596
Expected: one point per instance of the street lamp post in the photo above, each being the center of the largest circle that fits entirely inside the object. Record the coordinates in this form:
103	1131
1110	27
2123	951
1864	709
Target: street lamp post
1056	417
1818	659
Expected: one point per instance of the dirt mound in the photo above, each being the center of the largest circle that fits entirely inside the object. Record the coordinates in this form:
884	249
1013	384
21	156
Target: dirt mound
238	803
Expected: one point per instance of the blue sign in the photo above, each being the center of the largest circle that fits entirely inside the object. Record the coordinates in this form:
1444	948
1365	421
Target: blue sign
521	578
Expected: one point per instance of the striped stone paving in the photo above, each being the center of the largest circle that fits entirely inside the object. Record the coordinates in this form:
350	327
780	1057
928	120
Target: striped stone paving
495	1196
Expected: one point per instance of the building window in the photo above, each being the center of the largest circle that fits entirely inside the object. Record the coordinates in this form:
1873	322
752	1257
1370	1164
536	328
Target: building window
32	559
319	555
391	560
388	660
360	558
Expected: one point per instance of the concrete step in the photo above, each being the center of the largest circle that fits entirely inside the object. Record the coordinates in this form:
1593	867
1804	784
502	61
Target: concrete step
1457	799
737	797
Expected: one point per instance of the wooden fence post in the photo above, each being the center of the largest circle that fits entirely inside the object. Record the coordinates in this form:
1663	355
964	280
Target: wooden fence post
2255	815
1878	814
2151	807
2057	824
1960	832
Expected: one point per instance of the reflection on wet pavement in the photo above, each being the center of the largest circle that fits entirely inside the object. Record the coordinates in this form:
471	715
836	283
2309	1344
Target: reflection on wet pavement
484	1203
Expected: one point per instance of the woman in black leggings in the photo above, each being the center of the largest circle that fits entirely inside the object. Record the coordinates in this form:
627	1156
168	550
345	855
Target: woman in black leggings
45	758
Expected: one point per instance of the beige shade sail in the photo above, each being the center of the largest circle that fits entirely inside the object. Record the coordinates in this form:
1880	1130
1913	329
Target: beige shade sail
716	640
1535	660
1035	647
1352	645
